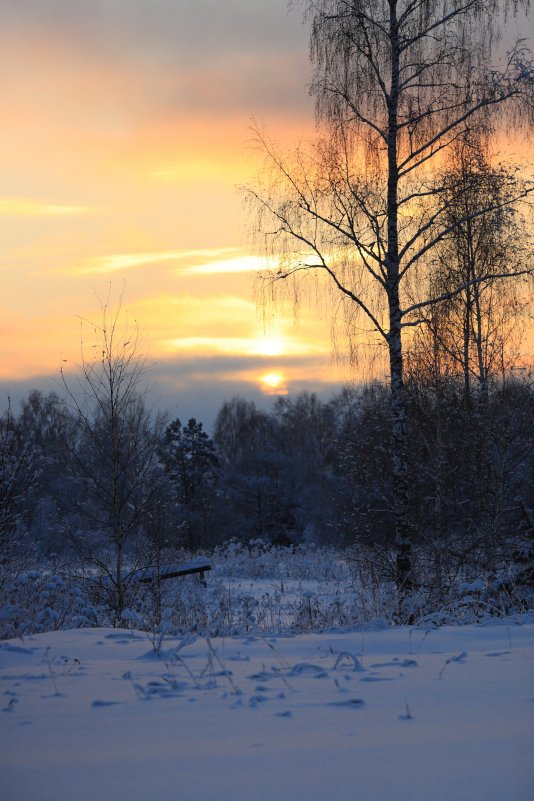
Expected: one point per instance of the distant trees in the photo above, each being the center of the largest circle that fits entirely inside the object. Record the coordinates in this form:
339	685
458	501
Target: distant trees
306	438
364	507
117	494
190	462
397	83
469	471
274	474
18	473
46	426
255	484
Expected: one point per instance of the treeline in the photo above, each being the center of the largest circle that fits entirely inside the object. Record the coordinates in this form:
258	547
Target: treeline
112	485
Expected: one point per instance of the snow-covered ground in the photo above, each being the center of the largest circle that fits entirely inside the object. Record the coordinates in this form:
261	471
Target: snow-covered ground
395	714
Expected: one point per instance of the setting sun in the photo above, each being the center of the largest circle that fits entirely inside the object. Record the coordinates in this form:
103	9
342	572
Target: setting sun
273	383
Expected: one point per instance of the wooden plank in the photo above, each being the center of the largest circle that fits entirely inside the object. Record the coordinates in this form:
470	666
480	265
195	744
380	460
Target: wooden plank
186	571
149	574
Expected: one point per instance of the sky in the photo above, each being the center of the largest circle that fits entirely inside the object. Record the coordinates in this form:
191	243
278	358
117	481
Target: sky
124	136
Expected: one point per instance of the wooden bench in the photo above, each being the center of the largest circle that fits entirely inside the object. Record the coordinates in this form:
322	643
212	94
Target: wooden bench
200	566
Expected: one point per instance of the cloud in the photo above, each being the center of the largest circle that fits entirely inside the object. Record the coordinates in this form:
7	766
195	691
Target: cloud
258	345
246	372
197	386
213	344
125	261
216	57
201	29
137	112
25	207
240	264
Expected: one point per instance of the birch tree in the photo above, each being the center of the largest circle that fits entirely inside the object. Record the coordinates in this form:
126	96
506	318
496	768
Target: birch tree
396	84
113	458
476	330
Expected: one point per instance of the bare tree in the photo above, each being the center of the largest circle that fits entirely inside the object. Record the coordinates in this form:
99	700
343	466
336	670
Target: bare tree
397	83
113	458
475	330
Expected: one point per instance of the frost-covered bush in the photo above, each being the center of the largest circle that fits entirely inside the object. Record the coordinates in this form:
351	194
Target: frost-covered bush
481	600
252	590
259	560
36	600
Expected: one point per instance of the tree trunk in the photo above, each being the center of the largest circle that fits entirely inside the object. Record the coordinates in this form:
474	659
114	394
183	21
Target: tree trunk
119	582
398	404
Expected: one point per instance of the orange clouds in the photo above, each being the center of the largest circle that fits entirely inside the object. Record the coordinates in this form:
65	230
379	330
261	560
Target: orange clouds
124	131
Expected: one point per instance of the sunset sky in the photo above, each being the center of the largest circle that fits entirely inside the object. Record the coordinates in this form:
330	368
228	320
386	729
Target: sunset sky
124	134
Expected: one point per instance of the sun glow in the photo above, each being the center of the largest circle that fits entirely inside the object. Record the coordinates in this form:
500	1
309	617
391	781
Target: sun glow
272	346
242	264
273	383
256	345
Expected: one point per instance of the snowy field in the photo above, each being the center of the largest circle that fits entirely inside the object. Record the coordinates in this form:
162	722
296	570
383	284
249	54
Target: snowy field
403	714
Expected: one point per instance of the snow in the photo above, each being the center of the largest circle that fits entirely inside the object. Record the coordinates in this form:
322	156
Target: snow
403	714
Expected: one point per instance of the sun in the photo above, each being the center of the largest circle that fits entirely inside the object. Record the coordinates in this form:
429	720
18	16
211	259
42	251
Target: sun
273	383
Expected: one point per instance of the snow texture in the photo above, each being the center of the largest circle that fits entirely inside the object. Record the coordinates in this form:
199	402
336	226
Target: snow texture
404	714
